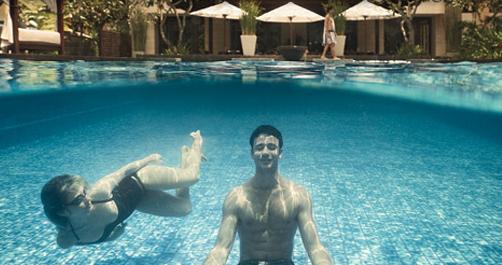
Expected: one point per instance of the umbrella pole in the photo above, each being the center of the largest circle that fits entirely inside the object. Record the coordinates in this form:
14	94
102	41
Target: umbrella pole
365	37
291	31
224	34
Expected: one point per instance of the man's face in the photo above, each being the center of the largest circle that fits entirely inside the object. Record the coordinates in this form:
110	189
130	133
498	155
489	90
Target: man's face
266	151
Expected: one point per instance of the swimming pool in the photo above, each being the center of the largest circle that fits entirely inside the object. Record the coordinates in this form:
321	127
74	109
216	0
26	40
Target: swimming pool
403	160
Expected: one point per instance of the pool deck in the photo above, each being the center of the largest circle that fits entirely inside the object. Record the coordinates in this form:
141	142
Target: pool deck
228	57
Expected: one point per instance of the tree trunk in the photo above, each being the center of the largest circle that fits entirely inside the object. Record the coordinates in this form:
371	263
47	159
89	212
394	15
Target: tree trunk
163	20
181	27
403	30
411	32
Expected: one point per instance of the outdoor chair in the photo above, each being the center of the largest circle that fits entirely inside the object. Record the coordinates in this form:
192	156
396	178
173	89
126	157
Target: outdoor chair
292	53
34	39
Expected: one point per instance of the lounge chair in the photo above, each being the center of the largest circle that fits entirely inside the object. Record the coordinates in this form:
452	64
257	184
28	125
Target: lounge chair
33	39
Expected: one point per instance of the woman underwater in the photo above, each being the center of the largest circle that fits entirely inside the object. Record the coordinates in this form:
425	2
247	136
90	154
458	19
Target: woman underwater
89	215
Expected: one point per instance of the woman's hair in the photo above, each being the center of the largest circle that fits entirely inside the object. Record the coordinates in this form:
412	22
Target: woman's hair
54	196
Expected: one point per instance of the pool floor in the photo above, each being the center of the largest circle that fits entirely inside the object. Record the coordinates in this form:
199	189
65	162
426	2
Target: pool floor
392	181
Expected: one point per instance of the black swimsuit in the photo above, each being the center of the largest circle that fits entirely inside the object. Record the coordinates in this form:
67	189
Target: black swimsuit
126	196
269	262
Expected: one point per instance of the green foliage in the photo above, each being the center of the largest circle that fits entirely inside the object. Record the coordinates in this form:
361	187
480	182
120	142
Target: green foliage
407	10
177	50
336	8
478	6
481	42
178	47
248	20
453	29
340	23
91	15
138	21
408	50
36	15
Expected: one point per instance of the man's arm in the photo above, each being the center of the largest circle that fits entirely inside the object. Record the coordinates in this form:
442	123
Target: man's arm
316	251
226	234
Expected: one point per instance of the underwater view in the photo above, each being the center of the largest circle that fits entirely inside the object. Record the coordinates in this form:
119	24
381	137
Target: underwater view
403	160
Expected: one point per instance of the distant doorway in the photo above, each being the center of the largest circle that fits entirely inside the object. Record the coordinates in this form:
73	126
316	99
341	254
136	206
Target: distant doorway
423	33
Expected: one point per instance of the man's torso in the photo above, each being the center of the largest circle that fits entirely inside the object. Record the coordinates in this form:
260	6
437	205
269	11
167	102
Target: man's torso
267	220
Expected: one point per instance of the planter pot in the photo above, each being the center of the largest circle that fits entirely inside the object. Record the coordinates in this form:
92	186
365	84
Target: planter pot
292	53
248	45
340	45
138	54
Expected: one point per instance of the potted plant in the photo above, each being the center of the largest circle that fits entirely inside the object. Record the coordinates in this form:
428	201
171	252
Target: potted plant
338	6
340	22
251	9
138	22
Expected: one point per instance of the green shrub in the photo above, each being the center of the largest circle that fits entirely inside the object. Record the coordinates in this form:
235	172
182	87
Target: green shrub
139	25
178	50
340	22
410	50
481	42
248	20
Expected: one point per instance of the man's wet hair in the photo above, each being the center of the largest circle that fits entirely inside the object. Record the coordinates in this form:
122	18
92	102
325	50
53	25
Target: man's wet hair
266	130
53	197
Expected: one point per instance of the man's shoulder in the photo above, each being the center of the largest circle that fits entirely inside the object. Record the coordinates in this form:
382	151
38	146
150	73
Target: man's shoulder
233	199
236	190
234	193
291	185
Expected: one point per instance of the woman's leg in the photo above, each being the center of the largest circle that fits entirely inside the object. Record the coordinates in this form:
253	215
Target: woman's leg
161	203
323	55
156	177
332	48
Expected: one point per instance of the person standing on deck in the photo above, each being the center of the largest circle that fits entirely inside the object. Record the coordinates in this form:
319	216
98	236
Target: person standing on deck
266	212
329	34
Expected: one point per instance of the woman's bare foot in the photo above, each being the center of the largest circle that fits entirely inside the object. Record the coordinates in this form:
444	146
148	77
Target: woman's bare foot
197	140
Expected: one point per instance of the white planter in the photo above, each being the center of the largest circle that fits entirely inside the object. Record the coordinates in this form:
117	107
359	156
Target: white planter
248	45
340	45
136	53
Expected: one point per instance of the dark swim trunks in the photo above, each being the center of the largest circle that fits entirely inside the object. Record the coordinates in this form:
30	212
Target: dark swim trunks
268	262
126	196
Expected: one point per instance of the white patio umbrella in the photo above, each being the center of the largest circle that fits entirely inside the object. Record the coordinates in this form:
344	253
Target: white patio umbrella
155	9
290	13
222	10
366	10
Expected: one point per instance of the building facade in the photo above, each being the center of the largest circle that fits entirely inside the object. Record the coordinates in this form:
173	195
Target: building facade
205	35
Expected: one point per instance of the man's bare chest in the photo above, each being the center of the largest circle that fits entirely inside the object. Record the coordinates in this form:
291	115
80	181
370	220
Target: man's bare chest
268	208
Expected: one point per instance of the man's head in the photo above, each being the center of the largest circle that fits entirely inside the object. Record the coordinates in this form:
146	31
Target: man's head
265	130
63	193
329	10
266	147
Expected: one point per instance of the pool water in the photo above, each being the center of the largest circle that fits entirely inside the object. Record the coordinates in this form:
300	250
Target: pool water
403	161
